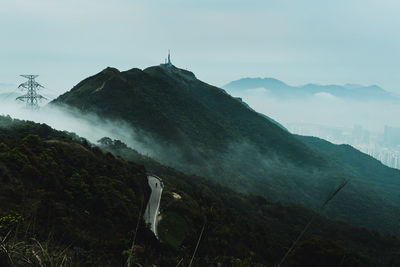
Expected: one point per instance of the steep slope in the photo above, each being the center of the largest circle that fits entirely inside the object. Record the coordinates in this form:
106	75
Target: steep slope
264	226
359	165
67	203
198	128
366	171
173	104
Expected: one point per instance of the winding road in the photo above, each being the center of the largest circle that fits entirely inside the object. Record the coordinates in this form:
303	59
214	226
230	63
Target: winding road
150	215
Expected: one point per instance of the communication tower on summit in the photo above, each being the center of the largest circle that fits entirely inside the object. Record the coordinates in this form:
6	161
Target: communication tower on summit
168	62
32	87
169	57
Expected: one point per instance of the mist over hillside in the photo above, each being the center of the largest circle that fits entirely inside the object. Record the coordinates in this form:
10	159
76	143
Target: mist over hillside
130	135
91	200
169	115
89	126
362	116
277	166
199	129
282	167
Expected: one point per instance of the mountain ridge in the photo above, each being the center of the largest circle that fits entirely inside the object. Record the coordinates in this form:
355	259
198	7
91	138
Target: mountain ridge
280	89
160	76
202	130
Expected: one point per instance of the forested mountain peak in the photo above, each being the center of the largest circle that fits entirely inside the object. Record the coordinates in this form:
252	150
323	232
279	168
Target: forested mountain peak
199	129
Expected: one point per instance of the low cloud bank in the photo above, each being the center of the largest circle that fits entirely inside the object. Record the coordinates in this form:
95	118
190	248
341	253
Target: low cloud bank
88	126
324	109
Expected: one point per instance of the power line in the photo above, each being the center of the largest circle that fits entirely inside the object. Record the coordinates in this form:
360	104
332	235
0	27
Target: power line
32	97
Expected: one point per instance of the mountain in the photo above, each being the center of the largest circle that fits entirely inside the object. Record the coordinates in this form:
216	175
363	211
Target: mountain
174	105
276	218
280	89
64	201
366	172
263	115
200	129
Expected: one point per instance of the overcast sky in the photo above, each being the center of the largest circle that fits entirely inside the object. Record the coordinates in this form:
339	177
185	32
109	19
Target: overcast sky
298	41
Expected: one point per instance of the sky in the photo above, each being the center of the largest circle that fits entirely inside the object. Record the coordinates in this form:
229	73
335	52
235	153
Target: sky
298	41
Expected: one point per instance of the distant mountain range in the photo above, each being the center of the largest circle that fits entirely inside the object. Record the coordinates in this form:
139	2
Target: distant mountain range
200	129
279	89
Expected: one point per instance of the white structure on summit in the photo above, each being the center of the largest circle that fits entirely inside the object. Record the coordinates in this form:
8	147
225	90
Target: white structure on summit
168	60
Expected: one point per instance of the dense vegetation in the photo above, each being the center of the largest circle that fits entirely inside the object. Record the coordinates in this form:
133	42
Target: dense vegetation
63	201
174	105
249	229
199	129
381	181
67	196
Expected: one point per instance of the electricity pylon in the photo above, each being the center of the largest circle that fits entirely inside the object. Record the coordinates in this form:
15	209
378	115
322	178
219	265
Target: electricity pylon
31	97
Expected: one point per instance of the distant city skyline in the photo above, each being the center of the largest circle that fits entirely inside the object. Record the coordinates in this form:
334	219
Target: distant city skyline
383	146
329	43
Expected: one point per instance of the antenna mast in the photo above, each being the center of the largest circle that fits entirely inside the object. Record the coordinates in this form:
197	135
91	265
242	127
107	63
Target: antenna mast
31	97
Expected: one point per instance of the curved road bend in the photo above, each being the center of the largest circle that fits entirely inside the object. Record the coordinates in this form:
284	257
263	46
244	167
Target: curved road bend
150	215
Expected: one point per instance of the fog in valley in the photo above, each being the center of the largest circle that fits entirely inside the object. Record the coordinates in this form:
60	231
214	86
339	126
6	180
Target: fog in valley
93	128
88	126
191	160
372	126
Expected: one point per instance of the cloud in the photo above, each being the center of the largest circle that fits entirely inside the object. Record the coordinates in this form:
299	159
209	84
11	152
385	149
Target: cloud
219	40
93	128
257	91
325	109
325	96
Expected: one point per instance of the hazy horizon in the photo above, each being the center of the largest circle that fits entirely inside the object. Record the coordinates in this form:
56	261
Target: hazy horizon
220	41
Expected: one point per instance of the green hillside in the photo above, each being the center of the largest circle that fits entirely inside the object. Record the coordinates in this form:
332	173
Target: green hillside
65	202
199	129
62	197
382	182
254	225
172	104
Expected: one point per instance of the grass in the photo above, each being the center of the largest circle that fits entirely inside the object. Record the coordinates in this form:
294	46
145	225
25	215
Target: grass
31	252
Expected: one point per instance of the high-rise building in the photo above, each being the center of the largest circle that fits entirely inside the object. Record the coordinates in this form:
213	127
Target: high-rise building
391	136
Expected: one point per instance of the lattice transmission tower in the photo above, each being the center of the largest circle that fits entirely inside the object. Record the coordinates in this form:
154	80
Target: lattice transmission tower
32	97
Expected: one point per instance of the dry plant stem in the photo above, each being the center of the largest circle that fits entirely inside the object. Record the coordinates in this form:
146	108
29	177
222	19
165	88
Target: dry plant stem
179	262
329	198
296	241
129	261
197	245
64	259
